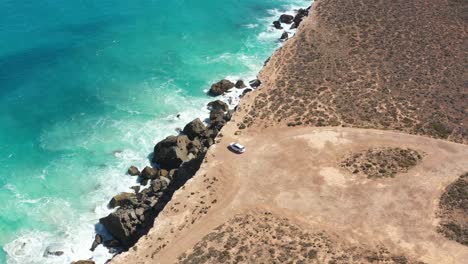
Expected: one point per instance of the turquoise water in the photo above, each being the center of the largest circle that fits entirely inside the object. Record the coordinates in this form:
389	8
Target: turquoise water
87	87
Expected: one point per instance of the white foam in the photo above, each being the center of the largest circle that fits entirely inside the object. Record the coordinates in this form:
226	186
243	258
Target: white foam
75	233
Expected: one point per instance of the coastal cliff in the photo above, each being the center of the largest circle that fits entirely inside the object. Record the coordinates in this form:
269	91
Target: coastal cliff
360	82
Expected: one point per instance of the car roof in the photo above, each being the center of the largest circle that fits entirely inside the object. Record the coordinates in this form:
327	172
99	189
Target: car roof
238	145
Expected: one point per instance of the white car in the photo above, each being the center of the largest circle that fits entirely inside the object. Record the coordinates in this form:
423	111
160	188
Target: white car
237	148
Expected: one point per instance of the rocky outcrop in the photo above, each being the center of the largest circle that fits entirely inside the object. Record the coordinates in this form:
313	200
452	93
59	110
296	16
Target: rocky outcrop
148	173
133	171
97	241
171	152
240	84
218	105
287	19
122	199
221	87
194	129
255	83
301	14
284	36
277	25
83	262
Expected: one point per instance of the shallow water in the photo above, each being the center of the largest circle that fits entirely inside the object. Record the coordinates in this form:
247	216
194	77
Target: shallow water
88	87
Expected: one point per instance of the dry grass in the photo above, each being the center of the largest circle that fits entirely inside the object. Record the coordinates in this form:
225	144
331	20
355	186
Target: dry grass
372	64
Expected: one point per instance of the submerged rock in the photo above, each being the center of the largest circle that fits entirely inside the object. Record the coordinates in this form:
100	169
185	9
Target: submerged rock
221	87
53	250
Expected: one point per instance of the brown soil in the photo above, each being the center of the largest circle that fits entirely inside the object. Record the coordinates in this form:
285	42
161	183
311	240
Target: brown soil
397	65
393	65
261	237
296	173
454	211
381	162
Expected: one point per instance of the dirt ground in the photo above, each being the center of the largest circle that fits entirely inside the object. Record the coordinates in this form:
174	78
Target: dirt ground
295	173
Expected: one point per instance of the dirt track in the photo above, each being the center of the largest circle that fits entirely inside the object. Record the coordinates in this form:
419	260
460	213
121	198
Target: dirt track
295	173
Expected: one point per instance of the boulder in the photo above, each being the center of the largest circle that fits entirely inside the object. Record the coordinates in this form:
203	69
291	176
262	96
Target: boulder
248	90
240	84
171	152
133	171
124	225
287	19
97	241
277	25
149	173
158	185
284	36
218	105
83	262
255	83
122	199
216	115
221	87
136	189
194	129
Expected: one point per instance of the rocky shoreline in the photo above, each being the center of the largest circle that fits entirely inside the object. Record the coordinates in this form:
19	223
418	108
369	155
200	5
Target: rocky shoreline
175	160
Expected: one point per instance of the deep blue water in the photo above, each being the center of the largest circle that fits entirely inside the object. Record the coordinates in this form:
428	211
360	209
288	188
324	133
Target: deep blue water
87	87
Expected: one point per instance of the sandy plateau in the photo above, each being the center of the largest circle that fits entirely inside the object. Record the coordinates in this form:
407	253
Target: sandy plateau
295	173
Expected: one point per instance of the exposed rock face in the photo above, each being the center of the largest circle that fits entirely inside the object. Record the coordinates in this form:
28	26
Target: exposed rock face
287	19
122	199
240	84
277	25
221	87
194	129
133	171
124	224
255	83
171	152
218	105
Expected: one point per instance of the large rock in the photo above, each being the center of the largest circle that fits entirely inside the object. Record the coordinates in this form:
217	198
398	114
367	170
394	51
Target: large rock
149	173
287	19
125	224
122	199
171	152
97	241
216	115
133	171
83	262
277	25
284	36
255	83
218	105
240	84
194	129
221	87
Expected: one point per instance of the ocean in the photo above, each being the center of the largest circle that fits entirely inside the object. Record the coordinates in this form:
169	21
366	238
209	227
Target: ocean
88	87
